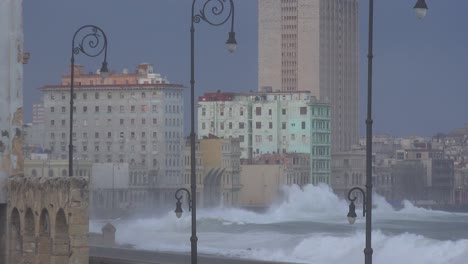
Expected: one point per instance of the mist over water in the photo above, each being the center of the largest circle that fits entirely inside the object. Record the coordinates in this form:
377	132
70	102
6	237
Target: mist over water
309	226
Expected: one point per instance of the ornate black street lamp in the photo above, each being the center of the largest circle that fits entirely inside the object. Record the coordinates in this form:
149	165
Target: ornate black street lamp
91	46
352	208
215	13
420	9
178	211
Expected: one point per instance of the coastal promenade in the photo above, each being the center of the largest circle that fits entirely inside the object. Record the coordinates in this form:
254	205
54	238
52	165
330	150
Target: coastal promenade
104	255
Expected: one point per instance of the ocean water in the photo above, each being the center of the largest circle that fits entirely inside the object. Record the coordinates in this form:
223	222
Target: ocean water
309	226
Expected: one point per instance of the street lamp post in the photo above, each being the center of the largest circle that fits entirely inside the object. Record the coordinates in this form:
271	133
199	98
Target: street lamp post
89	44
215	13
421	10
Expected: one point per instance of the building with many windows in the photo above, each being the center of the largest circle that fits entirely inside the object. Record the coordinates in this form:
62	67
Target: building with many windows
271	123
313	45
134	118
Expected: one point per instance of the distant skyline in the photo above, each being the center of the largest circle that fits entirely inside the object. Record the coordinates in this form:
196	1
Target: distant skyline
420	66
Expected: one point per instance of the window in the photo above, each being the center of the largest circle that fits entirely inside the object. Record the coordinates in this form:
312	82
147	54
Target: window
96	109
303	110
283	111
52	122
241	111
85	122
121	121
203	126
52	136
283	125
109	95
155	121
96	95
270	112
270	138
418	155
96	148
85	148
122	109
64	109
143	95
132	135
96	135
85	109
222	126
258	138
155	134
52	109
241	138
132	109
143	121
143	134
85	96
109	134
230	125
241	125
258	111
143	108
63	122
203	112
63	96
293	137
221	112
132	121
85	135
52	97
109	109
122	135
122	95
303	125
154	108
258	125
270	125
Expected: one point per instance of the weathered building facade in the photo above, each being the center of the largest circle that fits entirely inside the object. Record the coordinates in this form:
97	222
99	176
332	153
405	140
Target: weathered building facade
271	123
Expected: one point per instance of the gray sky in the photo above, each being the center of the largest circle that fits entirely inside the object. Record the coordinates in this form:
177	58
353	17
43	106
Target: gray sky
420	66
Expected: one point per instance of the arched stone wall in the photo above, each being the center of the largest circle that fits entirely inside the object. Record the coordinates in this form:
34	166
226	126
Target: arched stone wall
48	220
15	243
44	241
29	238
61	246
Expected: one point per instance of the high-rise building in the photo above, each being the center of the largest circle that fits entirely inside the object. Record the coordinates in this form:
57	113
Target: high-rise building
313	45
271	123
136	118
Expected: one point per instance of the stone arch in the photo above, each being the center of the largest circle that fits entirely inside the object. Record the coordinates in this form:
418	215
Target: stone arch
44	244
29	238
15	243
61	244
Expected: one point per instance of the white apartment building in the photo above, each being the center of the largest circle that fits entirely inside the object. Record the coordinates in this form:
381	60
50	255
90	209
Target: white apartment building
124	118
269	123
313	45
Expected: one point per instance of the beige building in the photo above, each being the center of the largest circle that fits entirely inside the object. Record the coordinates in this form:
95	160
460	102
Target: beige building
348	171
41	166
262	178
313	45
261	185
218	171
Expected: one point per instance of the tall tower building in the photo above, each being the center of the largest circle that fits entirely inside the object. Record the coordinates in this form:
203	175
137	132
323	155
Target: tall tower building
312	45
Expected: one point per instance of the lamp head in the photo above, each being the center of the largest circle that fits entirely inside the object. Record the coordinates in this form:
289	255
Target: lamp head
178	211
352	213
104	71
420	9
231	43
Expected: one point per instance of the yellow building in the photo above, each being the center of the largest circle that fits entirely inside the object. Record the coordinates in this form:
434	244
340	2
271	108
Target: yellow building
218	171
